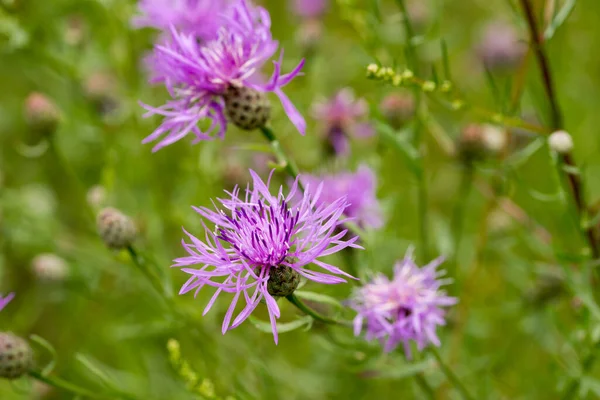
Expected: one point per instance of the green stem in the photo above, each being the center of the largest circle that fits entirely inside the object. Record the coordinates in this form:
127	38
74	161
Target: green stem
458	216
425	386
423	218
282	158
587	365
149	273
452	377
409	32
67	386
318	317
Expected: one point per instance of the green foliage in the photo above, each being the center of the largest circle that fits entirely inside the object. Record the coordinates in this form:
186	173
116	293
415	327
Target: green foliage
101	333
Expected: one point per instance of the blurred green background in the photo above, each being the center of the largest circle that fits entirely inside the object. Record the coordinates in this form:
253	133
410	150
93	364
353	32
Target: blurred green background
84	56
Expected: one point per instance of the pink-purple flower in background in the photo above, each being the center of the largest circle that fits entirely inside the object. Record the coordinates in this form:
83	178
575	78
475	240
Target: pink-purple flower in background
260	246
5	300
309	8
409	307
343	116
358	187
201	77
199	17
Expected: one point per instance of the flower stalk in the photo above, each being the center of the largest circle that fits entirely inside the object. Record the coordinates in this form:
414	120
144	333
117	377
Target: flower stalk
292	298
282	158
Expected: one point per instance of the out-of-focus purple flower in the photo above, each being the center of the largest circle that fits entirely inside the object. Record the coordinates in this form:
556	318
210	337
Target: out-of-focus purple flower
309	8
500	47
407	308
199	17
358	188
343	116
260	246
4	301
202	77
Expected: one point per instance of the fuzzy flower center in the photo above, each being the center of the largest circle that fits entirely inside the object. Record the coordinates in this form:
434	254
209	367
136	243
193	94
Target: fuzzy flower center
261	234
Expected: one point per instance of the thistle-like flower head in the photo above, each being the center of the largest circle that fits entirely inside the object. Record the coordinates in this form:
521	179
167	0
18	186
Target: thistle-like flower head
409	307
343	116
359	189
206	79
261	246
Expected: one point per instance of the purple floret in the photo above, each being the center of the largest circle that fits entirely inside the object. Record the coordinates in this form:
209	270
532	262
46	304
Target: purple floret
197	75
4	301
198	17
310	8
257	233
407	308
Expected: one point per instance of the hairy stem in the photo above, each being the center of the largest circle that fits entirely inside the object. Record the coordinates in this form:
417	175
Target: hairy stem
318	317
149	273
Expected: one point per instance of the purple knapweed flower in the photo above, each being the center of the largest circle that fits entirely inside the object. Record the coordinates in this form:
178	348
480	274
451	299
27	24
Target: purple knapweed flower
198	17
343	117
4	301
407	308
358	188
219	77
309	8
261	246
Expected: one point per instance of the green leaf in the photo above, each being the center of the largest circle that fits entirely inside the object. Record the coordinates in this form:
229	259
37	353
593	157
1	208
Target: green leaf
318	298
544	197
519	158
48	346
403	371
559	19
588	300
95	370
263	326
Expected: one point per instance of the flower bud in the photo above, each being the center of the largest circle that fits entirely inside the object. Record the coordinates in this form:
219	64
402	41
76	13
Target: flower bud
75	30
561	142
500	47
470	143
49	267
115	228
96	196
247	108
41	114
397	108
549	286
16	356
283	281
309	33
100	89
494	138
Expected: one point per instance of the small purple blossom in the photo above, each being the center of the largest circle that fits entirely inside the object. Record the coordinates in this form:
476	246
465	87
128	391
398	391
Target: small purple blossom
358	188
198	17
343	116
408	307
198	75
4	301
309	8
260	236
